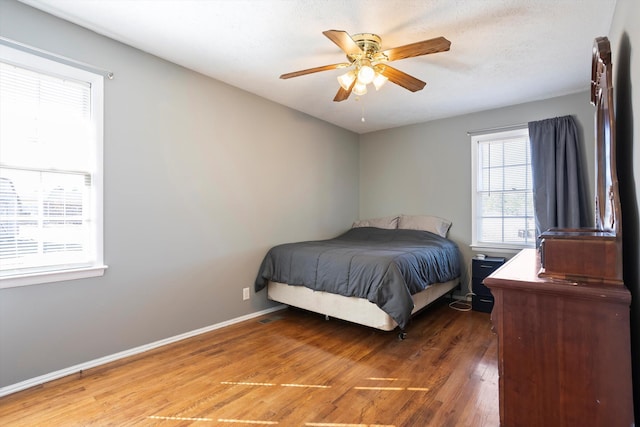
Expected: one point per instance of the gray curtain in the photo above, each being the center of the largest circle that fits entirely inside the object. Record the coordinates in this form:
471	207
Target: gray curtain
559	188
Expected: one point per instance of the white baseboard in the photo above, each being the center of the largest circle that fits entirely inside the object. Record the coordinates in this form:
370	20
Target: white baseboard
23	385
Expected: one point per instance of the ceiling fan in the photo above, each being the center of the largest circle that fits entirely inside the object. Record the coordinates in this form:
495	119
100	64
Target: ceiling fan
370	64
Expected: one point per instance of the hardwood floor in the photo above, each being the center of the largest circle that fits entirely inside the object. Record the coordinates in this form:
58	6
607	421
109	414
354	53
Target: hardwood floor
289	368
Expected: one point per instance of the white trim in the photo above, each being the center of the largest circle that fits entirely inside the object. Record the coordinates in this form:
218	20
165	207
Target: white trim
23	385
498	249
51	276
498	129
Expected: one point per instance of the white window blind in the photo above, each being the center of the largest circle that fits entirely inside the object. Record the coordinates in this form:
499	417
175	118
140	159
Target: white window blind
503	197
50	175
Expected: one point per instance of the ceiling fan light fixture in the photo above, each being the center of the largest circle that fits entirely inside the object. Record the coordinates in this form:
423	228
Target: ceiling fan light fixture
367	62
379	80
347	79
359	88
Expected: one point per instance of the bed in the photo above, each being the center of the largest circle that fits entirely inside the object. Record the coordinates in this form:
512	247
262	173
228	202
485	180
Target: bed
376	274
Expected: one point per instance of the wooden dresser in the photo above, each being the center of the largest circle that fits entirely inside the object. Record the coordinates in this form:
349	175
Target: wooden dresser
564	354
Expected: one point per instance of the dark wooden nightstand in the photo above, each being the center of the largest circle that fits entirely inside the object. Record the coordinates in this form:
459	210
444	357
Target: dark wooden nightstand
482	300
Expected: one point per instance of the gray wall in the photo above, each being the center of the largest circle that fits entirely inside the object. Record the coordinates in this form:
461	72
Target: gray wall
625	51
425	169
200	180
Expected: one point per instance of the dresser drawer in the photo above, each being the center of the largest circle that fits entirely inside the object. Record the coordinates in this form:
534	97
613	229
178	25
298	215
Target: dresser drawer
479	288
481	268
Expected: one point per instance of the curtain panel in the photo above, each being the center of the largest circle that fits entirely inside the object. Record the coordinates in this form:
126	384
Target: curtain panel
559	178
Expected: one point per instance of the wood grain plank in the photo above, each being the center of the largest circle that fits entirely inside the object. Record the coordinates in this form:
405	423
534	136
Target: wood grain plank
298	370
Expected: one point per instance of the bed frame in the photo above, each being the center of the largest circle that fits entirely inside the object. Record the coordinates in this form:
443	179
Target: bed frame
352	309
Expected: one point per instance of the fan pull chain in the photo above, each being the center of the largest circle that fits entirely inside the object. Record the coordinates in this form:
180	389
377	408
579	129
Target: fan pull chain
362	116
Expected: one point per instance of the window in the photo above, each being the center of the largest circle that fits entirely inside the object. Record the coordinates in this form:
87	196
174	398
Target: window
502	205
50	170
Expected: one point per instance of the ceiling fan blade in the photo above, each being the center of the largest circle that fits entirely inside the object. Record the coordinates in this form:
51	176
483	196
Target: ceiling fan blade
344	94
401	78
425	47
314	70
344	41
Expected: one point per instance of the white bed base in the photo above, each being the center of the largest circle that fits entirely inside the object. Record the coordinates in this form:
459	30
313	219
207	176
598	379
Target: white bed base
352	309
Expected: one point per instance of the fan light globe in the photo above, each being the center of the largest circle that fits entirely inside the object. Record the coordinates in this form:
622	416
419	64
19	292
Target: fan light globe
359	88
379	81
366	74
347	79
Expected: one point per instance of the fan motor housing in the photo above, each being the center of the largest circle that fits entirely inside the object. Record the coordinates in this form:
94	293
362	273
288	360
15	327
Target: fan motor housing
368	42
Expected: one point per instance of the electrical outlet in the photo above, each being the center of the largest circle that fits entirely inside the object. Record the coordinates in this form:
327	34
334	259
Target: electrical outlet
245	294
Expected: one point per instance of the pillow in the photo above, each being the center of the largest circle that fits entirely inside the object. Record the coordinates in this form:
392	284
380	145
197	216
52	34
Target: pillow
388	222
434	224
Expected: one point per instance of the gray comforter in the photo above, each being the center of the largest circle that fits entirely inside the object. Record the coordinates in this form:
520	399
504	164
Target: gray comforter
384	266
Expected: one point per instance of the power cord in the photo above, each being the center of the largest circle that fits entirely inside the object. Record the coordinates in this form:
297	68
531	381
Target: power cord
462	305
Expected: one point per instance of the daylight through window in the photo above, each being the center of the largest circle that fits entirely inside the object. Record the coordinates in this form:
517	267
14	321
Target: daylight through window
502	198
50	173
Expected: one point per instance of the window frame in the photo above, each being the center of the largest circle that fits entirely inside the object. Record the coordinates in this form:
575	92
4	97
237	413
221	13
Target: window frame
97	267
476	139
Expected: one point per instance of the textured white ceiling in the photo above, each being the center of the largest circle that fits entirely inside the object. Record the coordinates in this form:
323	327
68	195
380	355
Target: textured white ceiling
503	52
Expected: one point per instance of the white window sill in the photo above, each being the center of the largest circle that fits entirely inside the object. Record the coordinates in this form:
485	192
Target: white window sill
51	276
490	249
